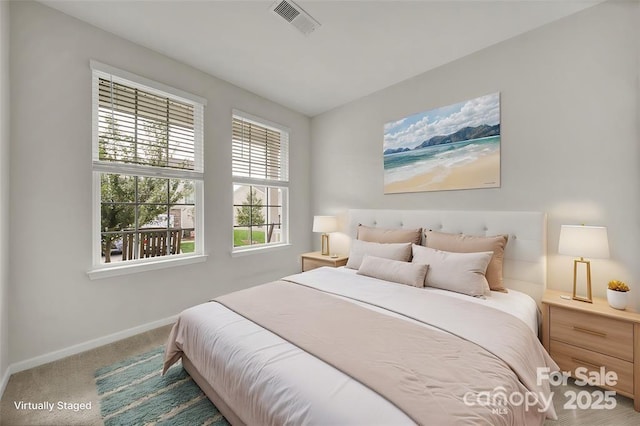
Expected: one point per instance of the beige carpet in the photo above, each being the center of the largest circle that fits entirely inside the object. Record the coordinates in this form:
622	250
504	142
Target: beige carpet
622	415
72	380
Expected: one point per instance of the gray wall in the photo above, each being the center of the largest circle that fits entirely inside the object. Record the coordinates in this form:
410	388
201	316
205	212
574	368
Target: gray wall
569	102
53	303
4	190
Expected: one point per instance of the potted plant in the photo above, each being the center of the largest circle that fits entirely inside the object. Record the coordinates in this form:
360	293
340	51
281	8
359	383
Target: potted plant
617	294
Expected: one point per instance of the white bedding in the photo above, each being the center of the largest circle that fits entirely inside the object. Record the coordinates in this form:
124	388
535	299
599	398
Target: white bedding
515	303
273	381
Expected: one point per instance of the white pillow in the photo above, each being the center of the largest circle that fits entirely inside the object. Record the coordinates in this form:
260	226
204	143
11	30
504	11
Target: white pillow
394	251
394	270
459	272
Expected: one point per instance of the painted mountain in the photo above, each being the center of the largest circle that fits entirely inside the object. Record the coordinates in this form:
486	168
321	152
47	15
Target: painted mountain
464	134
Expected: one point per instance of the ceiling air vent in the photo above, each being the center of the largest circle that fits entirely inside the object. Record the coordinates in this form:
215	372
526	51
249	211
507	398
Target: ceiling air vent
295	15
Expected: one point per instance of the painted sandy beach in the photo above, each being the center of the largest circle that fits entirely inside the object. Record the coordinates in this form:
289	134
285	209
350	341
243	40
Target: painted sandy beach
465	176
463	165
449	148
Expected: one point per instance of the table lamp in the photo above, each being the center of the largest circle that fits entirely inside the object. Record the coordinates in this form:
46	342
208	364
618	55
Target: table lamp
583	241
325	224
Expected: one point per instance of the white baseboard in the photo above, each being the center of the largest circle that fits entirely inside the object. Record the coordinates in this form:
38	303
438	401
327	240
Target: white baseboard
81	347
5	380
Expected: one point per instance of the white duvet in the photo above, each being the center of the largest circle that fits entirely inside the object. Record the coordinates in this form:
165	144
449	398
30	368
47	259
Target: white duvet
516	303
268	381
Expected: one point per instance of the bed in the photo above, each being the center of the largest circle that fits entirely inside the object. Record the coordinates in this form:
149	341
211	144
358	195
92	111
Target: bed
332	346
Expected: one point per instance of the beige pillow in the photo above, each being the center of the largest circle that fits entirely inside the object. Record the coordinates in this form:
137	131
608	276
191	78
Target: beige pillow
394	270
459	272
399	251
385	235
461	243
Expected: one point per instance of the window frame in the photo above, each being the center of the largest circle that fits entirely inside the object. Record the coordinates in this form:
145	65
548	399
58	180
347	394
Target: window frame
100	167
282	184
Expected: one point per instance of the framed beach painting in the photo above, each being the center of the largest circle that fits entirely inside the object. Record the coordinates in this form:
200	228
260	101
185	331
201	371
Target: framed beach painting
447	148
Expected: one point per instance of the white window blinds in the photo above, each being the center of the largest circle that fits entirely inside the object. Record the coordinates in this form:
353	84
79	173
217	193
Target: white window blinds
140	126
259	151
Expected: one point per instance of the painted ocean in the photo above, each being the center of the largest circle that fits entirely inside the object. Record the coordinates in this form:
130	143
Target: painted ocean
438	158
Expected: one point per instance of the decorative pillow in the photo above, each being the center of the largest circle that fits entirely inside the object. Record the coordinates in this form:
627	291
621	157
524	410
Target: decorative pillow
399	251
461	243
386	235
394	270
459	272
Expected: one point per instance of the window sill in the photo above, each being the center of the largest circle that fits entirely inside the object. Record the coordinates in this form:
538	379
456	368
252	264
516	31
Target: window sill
133	268
256	250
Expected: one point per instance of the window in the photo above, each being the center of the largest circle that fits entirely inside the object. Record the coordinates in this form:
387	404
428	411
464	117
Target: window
260	164
148	170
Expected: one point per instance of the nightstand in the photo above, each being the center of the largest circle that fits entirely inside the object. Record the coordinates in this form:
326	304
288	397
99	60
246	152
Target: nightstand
593	335
315	260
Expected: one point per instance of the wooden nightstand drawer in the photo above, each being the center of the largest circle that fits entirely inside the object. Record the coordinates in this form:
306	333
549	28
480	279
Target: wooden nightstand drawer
593	335
569	357
601	334
309	264
316	260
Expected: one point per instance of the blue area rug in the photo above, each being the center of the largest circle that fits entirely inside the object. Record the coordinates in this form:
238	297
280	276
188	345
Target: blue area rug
133	392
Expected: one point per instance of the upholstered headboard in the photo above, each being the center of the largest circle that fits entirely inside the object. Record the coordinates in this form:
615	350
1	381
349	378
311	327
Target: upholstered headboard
525	263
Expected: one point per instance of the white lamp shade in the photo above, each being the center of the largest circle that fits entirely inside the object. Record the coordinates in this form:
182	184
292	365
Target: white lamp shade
325	224
584	241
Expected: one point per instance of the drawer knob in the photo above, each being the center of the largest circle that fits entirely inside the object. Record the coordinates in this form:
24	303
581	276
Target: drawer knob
586	330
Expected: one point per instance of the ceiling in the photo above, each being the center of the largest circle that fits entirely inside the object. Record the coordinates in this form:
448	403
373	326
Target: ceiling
360	48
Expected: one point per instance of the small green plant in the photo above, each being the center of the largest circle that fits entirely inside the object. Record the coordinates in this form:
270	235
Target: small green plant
617	285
